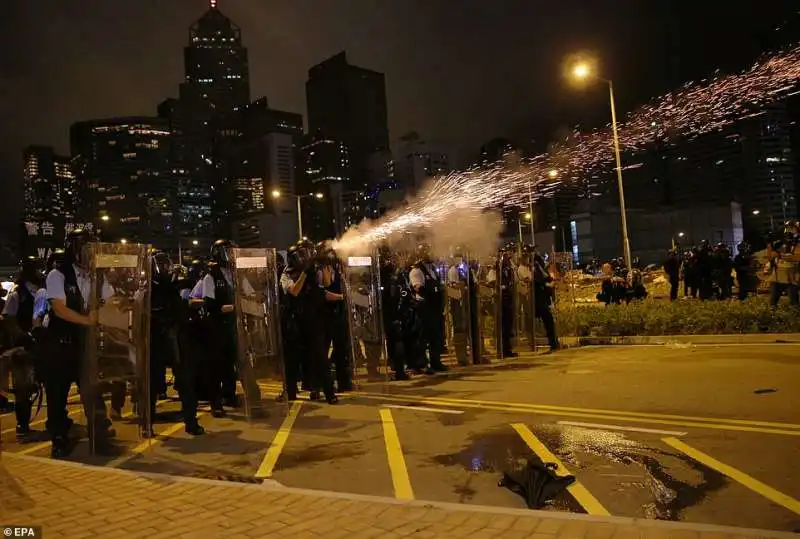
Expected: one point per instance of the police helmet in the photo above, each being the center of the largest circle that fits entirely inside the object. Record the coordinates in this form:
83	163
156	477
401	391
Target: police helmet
161	265
54	258
294	259
75	244
220	251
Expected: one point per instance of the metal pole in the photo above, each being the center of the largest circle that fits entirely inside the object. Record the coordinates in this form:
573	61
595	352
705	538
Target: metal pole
563	241
625	240
299	218
180	254
533	267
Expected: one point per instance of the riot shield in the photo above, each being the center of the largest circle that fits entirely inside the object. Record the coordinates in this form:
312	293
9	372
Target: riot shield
260	362
491	310
525	335
461	304
117	350
362	286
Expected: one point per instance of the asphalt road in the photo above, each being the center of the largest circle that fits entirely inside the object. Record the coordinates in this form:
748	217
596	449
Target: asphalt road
706	434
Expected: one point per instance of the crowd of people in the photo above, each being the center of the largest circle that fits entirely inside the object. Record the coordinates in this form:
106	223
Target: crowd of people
424	305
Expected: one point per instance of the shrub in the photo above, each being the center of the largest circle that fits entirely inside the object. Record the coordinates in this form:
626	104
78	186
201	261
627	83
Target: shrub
684	317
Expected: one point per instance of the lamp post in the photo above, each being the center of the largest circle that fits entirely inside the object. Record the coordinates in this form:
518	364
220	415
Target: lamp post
319	196
583	71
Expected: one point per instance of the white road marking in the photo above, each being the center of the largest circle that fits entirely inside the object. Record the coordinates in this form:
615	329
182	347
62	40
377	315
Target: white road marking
424	409
620	427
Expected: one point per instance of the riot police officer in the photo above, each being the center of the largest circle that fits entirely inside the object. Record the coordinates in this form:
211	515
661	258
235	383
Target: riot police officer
427	286
216	291
68	289
308	299
17	320
168	314
329	277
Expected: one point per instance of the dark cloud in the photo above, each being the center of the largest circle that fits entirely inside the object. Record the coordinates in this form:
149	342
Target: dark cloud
457	71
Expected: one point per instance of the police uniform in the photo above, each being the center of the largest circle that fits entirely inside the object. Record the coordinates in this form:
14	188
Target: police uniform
20	307
425	280
69	283
216	289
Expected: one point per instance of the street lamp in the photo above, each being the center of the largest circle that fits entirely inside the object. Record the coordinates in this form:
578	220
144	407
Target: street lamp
552	174
318	196
583	70
756	212
681	234
195	242
105	218
123	241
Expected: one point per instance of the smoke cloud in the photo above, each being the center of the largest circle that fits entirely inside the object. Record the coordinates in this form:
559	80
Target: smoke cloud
472	228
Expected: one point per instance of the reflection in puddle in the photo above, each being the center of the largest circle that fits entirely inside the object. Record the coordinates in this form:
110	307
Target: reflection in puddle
670	495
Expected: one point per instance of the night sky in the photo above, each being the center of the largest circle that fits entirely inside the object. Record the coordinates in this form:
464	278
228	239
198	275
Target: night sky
459	72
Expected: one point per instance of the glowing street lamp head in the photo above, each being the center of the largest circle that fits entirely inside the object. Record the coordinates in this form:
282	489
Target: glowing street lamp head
527	216
581	70
553	227
681	234
756	212
276	194
195	242
553	173
318	195
105	218
123	241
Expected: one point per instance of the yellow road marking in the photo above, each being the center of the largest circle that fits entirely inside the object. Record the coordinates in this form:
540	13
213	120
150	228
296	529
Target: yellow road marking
602	411
578	491
740	477
146	444
281	437
394	454
544	411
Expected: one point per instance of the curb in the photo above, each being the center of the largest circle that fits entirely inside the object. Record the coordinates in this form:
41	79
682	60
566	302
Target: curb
745	339
272	485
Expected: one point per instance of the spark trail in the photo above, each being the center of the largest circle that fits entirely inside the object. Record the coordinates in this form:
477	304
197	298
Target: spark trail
689	111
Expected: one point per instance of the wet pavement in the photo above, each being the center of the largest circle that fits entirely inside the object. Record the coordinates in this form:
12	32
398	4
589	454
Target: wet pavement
648	432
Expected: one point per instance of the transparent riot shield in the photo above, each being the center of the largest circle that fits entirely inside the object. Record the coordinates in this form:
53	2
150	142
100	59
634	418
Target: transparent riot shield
491	310
260	362
461	304
525	335
117	350
362	286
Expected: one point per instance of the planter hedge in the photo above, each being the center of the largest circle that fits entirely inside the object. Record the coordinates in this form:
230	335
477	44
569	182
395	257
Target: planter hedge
682	317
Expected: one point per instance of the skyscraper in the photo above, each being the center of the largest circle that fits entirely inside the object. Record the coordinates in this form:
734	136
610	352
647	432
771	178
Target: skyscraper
123	163
347	104
49	184
205	121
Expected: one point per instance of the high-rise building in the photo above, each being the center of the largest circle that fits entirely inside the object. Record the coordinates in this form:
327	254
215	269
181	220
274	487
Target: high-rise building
347	104
49	185
204	121
417	161
262	168
124	166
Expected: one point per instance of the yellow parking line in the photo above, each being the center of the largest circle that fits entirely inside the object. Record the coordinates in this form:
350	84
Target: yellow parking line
394	454
715	420
543	411
578	491
740	477
276	447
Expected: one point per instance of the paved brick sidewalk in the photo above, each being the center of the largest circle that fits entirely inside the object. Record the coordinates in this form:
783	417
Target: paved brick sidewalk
76	501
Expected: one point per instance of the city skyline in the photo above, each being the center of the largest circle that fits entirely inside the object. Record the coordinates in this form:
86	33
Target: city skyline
251	40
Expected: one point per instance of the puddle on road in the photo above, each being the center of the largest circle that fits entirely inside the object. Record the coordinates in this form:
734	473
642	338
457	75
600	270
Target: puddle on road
494	452
670	495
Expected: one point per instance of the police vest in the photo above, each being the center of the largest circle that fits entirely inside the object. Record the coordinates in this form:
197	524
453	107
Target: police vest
58	327
25	308
223	292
